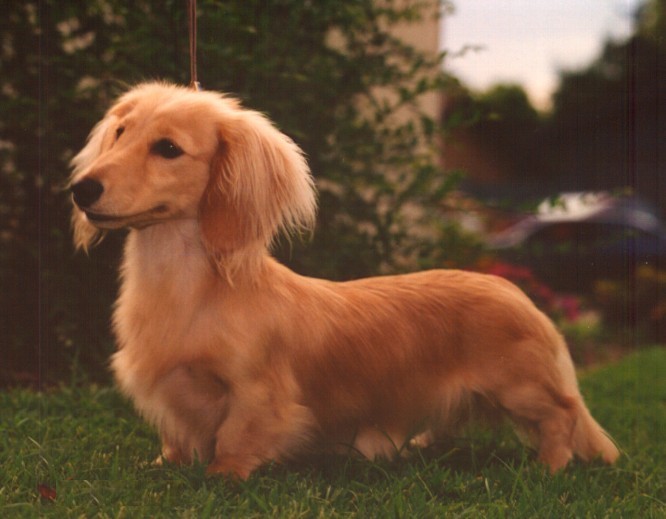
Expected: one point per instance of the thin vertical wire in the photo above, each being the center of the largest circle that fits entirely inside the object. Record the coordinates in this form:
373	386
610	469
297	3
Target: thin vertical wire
192	18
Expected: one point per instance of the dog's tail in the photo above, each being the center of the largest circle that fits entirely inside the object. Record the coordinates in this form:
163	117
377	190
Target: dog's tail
589	440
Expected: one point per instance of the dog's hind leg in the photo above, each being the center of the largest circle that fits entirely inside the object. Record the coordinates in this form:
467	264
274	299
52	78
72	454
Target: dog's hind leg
550	418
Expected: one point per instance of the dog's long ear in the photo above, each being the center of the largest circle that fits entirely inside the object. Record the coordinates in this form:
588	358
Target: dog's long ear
86	235
259	185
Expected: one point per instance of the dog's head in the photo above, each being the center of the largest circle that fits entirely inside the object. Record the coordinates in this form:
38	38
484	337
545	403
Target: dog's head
164	152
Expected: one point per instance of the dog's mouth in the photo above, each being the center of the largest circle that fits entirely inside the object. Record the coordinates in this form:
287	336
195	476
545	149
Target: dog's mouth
114	221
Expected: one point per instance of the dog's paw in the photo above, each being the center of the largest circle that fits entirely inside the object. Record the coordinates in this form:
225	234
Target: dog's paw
233	467
422	440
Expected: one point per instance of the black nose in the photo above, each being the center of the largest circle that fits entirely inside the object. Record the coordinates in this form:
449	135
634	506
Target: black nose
86	192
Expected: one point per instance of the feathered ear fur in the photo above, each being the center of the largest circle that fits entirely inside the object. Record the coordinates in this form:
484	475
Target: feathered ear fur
259	185
85	234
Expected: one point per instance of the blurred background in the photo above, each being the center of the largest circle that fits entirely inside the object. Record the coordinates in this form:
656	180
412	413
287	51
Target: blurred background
521	138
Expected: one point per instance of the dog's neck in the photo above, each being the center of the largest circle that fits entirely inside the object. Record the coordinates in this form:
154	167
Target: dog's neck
175	250
165	249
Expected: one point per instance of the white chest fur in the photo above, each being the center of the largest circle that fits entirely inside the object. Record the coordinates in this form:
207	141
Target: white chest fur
165	281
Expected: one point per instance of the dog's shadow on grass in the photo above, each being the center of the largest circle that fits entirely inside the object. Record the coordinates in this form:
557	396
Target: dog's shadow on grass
467	456
464	458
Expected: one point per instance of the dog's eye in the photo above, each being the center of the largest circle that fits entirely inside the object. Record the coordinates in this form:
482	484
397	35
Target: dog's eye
119	131
167	149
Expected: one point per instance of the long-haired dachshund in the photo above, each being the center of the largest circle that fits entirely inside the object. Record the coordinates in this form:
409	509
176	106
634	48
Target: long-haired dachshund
239	361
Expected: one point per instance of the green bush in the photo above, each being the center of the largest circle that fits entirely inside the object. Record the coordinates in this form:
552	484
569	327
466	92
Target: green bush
63	63
634	307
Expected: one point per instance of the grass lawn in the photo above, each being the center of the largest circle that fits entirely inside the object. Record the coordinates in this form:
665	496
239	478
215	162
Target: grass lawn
84	453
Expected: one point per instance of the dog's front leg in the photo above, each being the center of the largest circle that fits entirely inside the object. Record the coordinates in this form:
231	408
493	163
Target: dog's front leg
254	434
171	454
243	444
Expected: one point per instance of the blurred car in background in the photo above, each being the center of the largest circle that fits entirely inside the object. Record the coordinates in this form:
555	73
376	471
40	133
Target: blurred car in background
575	239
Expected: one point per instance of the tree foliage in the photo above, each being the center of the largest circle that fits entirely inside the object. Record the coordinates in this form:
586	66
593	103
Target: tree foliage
507	125
609	119
606	128
330	73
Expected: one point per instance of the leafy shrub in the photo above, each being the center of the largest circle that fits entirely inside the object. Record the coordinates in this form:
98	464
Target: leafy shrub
635	307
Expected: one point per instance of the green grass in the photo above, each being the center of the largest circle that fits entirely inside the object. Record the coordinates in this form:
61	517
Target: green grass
88	447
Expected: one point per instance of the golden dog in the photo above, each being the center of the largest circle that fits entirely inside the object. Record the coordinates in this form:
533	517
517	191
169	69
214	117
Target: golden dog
238	361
